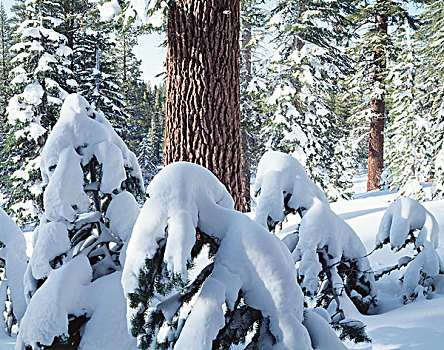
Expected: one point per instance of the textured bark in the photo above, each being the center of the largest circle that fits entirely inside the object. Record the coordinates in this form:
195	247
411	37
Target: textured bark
203	108
376	138
246	170
245	78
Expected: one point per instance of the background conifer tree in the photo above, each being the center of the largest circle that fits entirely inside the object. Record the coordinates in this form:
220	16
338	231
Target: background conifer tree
41	79
306	71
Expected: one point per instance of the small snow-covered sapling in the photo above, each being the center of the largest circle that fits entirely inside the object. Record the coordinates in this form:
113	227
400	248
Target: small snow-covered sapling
247	284
331	260
406	222
91	179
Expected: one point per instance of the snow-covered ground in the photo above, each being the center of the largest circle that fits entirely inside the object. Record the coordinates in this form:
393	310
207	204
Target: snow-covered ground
6	343
417	325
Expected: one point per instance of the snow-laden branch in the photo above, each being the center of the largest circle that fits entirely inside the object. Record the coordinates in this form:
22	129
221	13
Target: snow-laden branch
283	186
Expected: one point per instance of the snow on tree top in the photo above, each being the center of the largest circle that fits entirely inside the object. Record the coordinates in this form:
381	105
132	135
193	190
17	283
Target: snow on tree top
109	10
277	174
33	94
184	196
176	196
405	215
86	131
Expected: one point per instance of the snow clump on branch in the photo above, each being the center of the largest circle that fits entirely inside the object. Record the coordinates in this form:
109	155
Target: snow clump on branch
283	186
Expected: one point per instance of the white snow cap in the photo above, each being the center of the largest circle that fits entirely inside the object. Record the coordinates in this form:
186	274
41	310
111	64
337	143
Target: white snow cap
65	190
321	227
184	196
278	175
122	213
109	10
86	131
176	195
405	215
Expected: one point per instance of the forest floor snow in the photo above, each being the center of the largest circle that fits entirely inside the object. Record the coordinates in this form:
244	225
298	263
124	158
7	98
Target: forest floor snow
417	325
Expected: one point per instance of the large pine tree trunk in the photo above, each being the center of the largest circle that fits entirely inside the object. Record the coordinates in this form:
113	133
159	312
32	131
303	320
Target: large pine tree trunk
245	77
203	108
376	140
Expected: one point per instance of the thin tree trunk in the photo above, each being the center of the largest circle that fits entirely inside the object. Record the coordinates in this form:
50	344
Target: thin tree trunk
376	140
203	108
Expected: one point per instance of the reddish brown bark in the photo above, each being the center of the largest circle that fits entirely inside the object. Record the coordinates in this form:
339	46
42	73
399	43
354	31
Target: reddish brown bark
245	78
203	108
376	138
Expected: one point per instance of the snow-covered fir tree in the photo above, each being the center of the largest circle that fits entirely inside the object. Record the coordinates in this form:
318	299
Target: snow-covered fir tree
306	71
333	268
200	275
129	72
5	66
5	90
41	79
96	66
431	94
373	51
150	137
253	111
407	130
72	283
407	222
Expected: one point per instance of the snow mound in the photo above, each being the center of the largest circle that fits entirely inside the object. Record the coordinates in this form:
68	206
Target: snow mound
14	254
72	294
283	186
250	262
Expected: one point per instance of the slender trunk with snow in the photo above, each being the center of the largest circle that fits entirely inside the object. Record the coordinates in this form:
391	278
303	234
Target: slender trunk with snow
203	96
376	138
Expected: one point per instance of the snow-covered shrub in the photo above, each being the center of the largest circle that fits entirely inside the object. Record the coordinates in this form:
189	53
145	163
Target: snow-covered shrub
13	262
407	221
330	258
332	266
283	187
90	211
247	284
